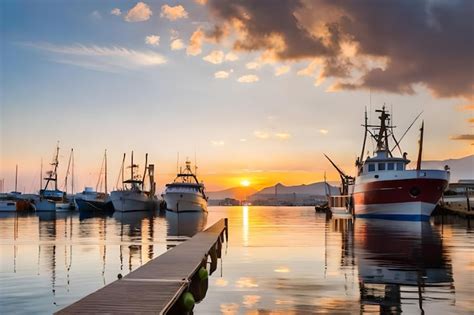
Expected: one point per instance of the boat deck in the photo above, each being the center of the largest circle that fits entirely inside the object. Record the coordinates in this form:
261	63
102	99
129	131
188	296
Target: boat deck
154	287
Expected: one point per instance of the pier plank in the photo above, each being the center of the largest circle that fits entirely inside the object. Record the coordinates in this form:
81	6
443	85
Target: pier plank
155	286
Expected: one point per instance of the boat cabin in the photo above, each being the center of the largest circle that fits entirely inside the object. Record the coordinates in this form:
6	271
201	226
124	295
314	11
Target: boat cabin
381	162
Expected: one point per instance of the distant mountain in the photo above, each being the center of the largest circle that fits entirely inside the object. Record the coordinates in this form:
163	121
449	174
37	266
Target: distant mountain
315	189
239	193
462	168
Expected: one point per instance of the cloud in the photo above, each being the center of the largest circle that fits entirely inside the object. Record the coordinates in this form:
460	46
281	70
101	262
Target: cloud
201	2
195	43
110	59
359	44
96	15
261	134
116	11
215	57
173	13
153	40
217	143
230	56
283	135
252	65
468	137
139	13
243	140
222	74
177	44
323	131
249	78
470	120
282	70
310	70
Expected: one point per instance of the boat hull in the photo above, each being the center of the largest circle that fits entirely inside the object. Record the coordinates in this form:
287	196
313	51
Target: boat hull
91	205
406	199
185	202
126	201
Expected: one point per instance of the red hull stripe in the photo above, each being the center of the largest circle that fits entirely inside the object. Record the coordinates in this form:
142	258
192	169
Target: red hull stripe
395	191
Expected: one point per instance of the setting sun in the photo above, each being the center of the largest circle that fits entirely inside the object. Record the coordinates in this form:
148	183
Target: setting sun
245	183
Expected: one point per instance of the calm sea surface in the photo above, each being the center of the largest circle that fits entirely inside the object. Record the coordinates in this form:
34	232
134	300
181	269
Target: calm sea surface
284	260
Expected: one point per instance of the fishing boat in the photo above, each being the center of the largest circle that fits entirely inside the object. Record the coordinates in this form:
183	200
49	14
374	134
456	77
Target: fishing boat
54	199
132	195
186	193
384	187
92	200
14	201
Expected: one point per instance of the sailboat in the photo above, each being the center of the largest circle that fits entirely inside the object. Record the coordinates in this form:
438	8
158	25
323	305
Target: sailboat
93	200
132	196
52	199
14	200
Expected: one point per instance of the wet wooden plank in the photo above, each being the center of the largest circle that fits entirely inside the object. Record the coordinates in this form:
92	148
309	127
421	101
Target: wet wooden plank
155	286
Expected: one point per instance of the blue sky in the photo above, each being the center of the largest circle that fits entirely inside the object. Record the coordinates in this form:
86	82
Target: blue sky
75	73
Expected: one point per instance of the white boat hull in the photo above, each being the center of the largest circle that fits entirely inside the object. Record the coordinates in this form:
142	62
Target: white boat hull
413	211
185	202
126	201
7	206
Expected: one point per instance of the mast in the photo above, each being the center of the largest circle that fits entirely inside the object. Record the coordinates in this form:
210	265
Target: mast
41	175
144	172
72	172
105	175
131	168
361	160
56	163
16	178
67	171
123	165
420	149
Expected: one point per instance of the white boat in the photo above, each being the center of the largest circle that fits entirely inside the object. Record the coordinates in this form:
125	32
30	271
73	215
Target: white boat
186	193
132	196
90	199
15	201
54	199
384	188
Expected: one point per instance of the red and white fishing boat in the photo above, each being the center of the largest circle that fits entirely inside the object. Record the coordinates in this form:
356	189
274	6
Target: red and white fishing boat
384	188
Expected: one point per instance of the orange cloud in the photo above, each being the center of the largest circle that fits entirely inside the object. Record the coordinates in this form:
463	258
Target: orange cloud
139	13
195	43
173	13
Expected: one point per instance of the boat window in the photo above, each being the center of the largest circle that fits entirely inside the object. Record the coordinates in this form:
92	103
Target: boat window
400	166
371	167
381	166
390	166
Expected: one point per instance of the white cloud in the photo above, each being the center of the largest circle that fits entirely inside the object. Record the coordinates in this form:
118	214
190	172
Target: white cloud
177	44
221	74
174	34
283	135
249	78
252	65
323	131
139	13
230	56
261	134
96	15
215	57
173	13
195	43
111	59
217	143
282	70
243	140
153	40
116	11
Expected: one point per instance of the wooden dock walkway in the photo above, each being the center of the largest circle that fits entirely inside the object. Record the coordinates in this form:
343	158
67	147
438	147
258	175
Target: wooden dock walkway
154	287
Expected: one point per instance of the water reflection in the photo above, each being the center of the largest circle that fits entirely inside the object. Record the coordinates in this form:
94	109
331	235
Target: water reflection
182	226
401	263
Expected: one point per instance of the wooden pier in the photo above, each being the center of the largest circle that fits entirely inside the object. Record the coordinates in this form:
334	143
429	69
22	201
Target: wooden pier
156	286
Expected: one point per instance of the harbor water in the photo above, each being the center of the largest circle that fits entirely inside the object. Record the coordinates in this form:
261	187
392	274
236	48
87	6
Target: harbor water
278	260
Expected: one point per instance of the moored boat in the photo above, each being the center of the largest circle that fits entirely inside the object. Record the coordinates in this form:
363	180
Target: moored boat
186	193
384	187
132	196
